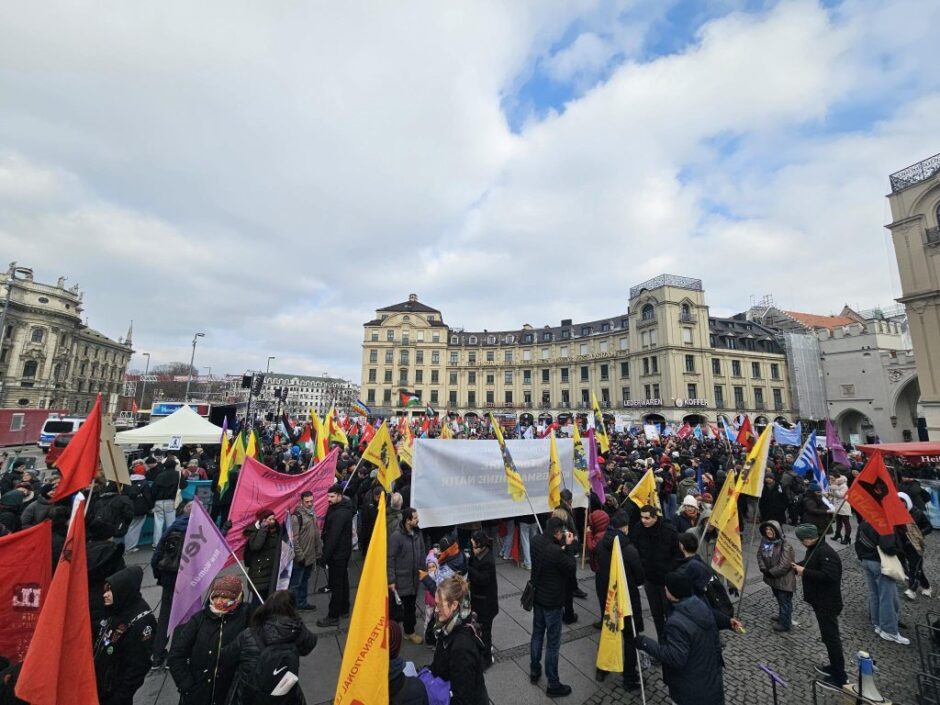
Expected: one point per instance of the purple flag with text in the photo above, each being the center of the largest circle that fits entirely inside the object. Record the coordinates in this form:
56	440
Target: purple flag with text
834	444
203	557
594	468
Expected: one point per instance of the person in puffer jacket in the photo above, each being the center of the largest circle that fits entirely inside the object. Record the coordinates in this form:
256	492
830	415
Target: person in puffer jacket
775	558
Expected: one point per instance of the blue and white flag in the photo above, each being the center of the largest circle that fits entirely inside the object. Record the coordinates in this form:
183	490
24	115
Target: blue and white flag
788	436
697	432
729	432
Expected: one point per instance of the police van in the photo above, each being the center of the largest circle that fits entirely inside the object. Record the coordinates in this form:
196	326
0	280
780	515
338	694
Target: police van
56	424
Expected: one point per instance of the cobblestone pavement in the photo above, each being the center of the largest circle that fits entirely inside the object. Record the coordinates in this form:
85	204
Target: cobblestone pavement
792	655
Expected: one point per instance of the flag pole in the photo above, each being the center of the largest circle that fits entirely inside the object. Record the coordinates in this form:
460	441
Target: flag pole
822	536
737	611
253	588
587	511
639	667
529	500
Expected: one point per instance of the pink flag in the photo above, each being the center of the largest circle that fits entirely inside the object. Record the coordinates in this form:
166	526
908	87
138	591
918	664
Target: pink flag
260	487
834	444
594	468
684	430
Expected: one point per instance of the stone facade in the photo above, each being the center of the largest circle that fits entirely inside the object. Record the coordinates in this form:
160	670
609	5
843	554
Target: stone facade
664	358
49	357
305	393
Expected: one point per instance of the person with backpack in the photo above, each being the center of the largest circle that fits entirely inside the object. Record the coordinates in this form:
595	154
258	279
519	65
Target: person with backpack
124	644
263	551
458	651
109	505
165	564
265	658
402	689
484	590
166	483
104	557
195	654
142	499
308	547
775	558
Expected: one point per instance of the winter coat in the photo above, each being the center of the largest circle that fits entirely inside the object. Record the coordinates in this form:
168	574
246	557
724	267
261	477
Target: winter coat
392	521
868	541
179	525
822	578
553	567
113	508
775	558
632	564
337	531
815	511
406	554
262	557
659	550
36	512
241	656
598	521
684	523
773	504
125	641
838	489
195	653
458	658
690	653
166	483
402	689
484	592
697	572
308	545
103	558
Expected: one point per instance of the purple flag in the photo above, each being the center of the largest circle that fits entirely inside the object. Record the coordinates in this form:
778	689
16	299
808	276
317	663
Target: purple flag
835	445
594	468
286	562
203	557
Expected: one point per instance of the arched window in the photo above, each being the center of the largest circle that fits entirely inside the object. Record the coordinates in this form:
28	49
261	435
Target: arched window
510	339
491	340
37	335
472	340
647	312
30	368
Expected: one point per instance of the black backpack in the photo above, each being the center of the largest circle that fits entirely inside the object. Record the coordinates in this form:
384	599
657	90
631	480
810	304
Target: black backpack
717	596
274	662
172	551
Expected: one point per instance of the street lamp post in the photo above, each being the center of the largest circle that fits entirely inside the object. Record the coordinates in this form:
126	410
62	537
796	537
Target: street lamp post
143	386
192	359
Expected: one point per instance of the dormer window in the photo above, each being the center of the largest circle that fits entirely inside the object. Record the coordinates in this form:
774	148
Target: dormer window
491	340
647	312
454	340
472	340
510	339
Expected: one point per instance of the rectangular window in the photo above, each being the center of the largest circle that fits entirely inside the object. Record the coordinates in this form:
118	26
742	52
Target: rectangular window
419	336
624	344
755	370
719	396
605	395
527	376
563	351
565	397
404	337
472	358
648	390
370	396
389	357
419	357
735	368
527	354
527	397
605	372
739	397
653	340
452	397
686	336
490	378
387	396
490	397
690	363
507	376
583	349
602	345
507	356
778	398
434	396
774	370
759	397
388	377
390	335
655	391
625	393
692	391
624	369
452	378
654	363
546	397
646	365
585	397
374	336
435	337
645	339
716	366
584	373
435	376
491	356
546	353
546	376
372	375
454	357
17	421
508	396
403	357
403	376
471	398
471	378
373	356
564	375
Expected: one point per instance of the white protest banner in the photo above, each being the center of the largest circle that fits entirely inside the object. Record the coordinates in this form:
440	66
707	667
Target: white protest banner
651	431
456	481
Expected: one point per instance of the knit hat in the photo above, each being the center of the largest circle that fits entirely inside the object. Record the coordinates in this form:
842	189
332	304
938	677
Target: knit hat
228	586
689	501
906	499
263	514
394	639
807	531
813	487
335	488
706	497
678	585
47	489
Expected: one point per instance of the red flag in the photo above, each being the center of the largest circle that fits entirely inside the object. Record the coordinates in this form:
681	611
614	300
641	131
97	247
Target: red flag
305	435
426	425
745	435
368	433
134	406
59	667
25	572
515	553
874	496
684	430
79	461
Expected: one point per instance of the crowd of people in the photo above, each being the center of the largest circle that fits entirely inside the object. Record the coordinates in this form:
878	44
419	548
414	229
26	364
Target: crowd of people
446	577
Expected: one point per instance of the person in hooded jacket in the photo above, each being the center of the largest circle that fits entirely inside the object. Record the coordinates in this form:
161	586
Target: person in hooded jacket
484	590
618	530
402	689
773	501
109	504
104	557
263	551
197	644
689	648
337	549
124	645
308	547
11	510
37	511
165	565
775	558
274	622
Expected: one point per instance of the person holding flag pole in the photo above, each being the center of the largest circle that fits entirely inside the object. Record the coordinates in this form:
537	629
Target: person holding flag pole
514	483
583	481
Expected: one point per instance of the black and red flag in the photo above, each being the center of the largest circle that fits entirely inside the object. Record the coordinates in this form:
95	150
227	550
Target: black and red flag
874	496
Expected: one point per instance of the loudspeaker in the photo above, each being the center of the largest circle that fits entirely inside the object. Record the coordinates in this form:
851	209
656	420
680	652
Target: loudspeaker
866	687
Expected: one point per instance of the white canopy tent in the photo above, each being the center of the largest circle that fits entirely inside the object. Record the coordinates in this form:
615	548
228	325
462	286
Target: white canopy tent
184	422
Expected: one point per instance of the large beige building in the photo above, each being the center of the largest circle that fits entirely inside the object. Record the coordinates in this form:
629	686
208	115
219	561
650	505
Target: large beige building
49	358
664	359
915	229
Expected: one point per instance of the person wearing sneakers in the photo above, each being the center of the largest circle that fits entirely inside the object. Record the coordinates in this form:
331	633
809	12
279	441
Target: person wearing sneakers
914	546
882	589
821	571
775	558
838	489
406	557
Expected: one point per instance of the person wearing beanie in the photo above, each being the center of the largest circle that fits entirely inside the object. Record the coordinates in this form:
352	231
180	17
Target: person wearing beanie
197	644
337	549
263	552
38	510
821	573
689	648
773	501
689	514
775	560
402	689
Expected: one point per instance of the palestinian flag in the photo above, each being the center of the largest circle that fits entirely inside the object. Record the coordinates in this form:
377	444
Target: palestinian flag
409	399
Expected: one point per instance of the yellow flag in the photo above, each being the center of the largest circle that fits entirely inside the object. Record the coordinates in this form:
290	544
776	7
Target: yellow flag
334	431
225	462
322	445
251	450
363	675
728	558
446	431
240	449
751	481
616	608
580	462
600	432
404	446
727	496
554	474
381	453
645	491
514	484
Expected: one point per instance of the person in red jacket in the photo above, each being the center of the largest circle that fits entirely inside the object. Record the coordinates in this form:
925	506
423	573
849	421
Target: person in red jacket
598	521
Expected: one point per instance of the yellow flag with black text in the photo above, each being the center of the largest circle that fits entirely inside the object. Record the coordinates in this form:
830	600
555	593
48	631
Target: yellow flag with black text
514	484
645	492
363	675
728	557
617	607
580	462
600	431
554	474
751	481
404	446
726	497
381	453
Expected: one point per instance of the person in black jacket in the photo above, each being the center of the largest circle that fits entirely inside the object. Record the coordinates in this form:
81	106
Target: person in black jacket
275	622
166	483
773	501
618	530
882	589
402	689
554	563
458	650
125	641
337	548
263	551
821	571
165	565
198	643
484	590
104	557
658	545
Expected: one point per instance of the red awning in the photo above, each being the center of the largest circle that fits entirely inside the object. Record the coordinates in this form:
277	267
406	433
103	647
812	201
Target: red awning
924	451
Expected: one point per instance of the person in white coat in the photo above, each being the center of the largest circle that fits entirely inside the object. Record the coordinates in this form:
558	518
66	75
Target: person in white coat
838	488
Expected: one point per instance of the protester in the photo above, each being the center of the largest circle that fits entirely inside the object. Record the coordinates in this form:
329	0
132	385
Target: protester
459	651
773	501
689	648
59	517
775	559
484	590
166	483
266	656
554	562
870	546
618	530
263	551
688	517
393	515
337	549
838	489
165	564
125	641
815	510
38	510
142	499
194	660
308	548
110	505
104	557
403	689
821	572
406	558
657	543
911	536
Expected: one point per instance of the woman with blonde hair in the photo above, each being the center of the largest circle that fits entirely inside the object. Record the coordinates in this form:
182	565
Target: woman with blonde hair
459	650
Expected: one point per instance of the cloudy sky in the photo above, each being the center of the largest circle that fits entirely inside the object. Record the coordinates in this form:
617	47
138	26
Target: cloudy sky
270	173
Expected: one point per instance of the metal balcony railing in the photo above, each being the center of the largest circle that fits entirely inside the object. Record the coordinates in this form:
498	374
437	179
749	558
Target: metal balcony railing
759	405
915	173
